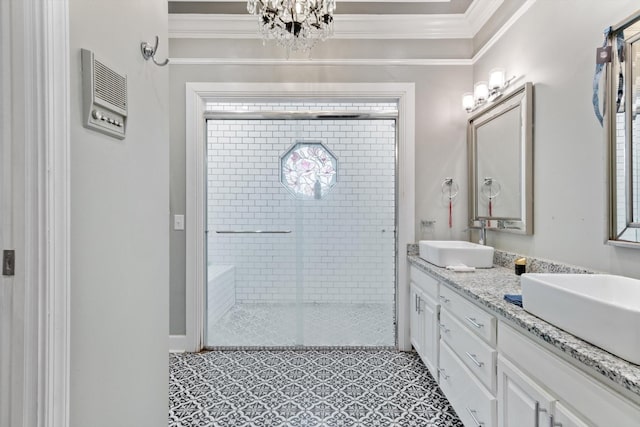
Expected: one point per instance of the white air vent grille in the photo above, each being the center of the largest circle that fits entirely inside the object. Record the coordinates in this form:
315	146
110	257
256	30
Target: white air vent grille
110	86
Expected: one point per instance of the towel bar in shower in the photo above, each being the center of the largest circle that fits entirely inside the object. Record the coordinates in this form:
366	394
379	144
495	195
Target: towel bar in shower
253	231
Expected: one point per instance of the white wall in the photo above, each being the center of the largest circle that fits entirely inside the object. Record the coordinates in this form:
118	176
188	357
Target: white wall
553	45
119	226
337	242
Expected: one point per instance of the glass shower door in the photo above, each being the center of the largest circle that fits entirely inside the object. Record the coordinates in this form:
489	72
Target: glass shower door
301	233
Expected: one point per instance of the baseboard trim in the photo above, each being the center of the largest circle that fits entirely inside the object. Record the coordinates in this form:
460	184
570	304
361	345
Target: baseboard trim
177	343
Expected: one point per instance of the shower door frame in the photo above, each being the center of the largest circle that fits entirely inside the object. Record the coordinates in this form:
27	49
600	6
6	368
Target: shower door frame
309	115
198	94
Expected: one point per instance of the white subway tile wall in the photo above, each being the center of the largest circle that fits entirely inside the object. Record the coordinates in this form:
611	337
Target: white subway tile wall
341	248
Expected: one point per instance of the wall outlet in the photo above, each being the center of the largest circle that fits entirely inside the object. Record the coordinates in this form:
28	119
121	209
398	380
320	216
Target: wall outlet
178	222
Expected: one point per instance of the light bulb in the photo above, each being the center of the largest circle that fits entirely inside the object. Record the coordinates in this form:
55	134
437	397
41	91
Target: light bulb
480	92
496	78
467	101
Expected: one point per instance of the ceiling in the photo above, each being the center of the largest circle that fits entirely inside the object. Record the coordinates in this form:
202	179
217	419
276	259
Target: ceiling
451	29
354	18
345	7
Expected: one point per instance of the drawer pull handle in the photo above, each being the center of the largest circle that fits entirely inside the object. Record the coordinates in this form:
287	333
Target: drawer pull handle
474	359
444	328
473	322
443	374
473	416
552	422
445	299
537	410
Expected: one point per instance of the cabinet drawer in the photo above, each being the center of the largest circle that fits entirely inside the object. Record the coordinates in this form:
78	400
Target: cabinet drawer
475	318
474	353
427	283
473	403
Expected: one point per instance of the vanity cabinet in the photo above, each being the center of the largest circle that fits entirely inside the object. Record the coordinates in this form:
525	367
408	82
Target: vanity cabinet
496	374
537	388
423	319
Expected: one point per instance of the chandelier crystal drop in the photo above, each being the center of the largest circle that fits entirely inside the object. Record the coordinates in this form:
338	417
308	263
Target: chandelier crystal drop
294	24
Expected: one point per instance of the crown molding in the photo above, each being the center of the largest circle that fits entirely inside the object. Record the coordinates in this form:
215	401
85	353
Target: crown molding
502	31
479	13
341	1
318	62
436	26
201	26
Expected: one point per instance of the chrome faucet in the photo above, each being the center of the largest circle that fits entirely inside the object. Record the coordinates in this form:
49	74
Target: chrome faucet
483	231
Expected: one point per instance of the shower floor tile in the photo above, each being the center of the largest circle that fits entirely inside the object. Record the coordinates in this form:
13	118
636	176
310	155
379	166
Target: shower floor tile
305	388
330	325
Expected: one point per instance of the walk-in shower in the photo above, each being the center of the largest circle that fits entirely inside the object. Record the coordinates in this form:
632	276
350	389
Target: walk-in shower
301	220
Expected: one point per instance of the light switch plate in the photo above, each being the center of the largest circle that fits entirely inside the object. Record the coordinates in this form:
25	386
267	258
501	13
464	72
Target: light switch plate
178	222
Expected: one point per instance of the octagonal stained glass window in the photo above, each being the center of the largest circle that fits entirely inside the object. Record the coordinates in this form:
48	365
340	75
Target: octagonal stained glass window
308	170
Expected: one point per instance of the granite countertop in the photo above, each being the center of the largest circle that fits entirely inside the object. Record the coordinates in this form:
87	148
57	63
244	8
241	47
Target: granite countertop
487	288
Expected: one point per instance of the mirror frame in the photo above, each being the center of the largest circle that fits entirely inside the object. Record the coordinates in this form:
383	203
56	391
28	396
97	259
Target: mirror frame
613	236
523	97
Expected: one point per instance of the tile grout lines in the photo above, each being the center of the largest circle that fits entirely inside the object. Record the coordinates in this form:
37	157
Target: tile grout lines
305	388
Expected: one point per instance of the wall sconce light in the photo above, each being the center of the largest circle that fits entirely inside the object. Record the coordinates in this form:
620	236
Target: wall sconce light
480	92
484	92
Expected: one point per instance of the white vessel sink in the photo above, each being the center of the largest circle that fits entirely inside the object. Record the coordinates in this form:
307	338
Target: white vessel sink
444	253
599	308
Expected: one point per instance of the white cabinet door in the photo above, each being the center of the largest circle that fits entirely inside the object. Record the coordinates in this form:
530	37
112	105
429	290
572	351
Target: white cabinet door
564	417
423	325
416	323
521	402
431	334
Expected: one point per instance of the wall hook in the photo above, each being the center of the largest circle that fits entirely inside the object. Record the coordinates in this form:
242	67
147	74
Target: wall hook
149	51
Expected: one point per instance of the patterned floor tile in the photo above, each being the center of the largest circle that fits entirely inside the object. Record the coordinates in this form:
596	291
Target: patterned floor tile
324	388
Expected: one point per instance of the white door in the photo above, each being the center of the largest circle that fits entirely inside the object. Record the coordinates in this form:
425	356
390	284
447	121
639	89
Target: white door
12	213
5	283
34	213
6	288
11	294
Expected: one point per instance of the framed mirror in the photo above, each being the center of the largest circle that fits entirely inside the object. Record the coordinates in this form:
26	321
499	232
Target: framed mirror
500	152
623	132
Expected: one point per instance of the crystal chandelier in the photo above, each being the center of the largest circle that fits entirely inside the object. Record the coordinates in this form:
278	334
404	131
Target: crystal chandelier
294	24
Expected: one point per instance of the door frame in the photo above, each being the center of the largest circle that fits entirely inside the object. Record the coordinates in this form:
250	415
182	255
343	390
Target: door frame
39	115
197	94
